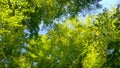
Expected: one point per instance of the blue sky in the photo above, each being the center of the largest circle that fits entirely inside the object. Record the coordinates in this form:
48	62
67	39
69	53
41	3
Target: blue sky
105	4
108	3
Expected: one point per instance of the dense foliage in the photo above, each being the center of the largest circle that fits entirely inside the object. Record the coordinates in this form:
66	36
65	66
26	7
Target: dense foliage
35	11
74	43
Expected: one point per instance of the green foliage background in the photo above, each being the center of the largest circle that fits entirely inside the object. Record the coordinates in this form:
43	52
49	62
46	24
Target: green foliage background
92	43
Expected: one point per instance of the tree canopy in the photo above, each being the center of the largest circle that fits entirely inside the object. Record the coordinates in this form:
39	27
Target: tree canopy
74	43
35	11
